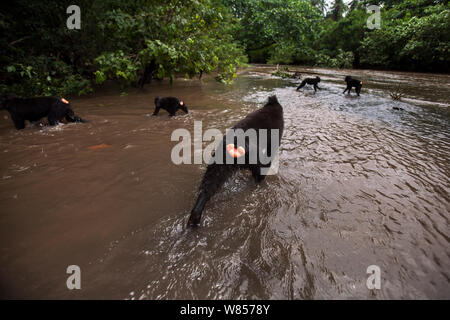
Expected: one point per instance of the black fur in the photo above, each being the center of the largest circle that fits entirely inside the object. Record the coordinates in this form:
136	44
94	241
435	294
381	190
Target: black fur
170	104
268	117
357	84
311	81
34	109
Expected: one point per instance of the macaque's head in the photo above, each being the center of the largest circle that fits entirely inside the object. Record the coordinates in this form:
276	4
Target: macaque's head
182	106
318	79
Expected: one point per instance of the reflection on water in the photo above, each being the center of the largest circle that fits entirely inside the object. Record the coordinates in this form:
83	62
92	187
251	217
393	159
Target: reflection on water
359	184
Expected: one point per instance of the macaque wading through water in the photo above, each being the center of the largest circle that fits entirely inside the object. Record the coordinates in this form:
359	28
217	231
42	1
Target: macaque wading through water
34	109
310	81
266	120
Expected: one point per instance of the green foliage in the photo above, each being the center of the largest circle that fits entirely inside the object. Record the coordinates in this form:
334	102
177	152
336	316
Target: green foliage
116	65
283	53
414	34
278	26
344	59
397	93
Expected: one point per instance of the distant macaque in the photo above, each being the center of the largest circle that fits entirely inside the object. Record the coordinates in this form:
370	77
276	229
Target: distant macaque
269	117
353	83
311	81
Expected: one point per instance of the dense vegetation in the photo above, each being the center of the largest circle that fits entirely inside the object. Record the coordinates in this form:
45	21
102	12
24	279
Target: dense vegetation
118	39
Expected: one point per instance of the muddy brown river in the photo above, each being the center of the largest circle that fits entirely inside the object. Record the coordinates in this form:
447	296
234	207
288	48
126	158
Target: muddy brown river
359	184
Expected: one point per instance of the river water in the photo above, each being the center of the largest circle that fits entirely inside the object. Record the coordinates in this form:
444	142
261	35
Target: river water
359	184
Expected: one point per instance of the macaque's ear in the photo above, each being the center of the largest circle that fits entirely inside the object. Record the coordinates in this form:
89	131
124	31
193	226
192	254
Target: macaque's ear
235	152
181	103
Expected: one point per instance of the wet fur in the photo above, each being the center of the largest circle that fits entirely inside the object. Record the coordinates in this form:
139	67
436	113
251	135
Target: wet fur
268	117
34	109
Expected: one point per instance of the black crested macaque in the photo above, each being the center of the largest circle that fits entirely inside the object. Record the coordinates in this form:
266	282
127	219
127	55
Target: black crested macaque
34	109
269	117
297	75
311	81
170	104
353	83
